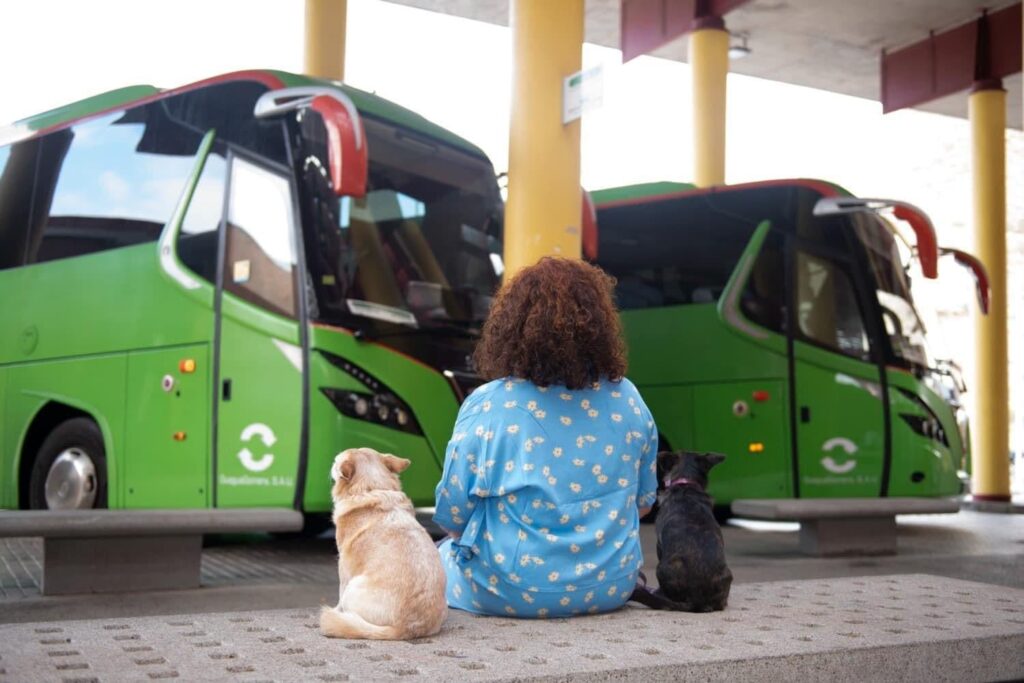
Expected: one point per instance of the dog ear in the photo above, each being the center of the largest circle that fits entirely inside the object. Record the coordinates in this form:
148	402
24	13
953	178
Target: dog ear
712	459
348	468
666	461
394	463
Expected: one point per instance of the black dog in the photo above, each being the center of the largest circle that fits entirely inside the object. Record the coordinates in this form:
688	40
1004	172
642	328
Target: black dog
692	574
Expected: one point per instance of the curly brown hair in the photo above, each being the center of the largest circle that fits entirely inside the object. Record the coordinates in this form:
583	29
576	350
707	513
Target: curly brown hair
554	323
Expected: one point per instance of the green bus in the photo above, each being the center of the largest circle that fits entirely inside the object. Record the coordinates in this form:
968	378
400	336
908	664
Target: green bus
774	322
208	292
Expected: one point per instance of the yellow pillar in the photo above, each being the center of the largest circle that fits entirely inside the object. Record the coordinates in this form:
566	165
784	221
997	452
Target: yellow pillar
542	215
709	64
325	39
991	448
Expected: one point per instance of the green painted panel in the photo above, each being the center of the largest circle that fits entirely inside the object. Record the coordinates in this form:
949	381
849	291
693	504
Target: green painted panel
841	446
8	472
424	389
931	463
639	191
161	471
94	385
260	421
746	472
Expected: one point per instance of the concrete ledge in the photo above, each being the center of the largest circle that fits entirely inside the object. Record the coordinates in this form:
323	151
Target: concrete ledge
910	628
797	509
92	523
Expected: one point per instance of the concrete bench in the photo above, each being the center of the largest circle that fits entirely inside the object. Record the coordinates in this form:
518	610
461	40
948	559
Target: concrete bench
844	526
839	630
112	551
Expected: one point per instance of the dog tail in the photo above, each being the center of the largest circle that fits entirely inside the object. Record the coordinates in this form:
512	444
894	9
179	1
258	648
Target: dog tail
657	600
336	624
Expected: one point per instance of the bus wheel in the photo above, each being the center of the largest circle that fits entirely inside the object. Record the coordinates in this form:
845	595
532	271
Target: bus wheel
70	470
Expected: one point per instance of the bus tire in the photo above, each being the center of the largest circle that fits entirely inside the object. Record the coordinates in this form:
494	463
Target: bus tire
70	469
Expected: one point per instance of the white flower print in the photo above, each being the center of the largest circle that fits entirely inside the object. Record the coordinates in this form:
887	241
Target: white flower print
522	535
509	609
616	417
511	498
602	479
552	481
579	441
514	578
553	576
531	405
616	394
557	452
565	397
609	449
579	462
626	458
509	386
613	515
493	580
565	420
536	504
613	589
528	466
503	518
513	429
592	413
564	519
570	588
600	575
564	601
596	469
509	466
631	401
539	414
486	406
580	529
527	598
575	488
499	558
457	590
623	482
488	536
479	430
542	612
589	596
488	435
574	548
584	404
510	404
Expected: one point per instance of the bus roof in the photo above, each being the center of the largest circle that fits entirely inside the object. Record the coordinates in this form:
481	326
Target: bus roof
367	103
647	192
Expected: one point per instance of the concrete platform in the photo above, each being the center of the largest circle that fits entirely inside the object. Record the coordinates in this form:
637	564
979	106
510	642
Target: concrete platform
911	627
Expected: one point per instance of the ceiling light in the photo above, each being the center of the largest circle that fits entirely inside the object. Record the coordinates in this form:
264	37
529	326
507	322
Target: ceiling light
739	50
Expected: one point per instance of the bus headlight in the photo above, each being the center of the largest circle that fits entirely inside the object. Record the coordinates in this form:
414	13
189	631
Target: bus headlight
384	409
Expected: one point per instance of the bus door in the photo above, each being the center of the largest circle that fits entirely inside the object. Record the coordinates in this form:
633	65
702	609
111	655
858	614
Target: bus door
261	362
838	409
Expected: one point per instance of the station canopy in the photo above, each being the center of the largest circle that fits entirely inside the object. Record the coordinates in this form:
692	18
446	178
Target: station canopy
832	45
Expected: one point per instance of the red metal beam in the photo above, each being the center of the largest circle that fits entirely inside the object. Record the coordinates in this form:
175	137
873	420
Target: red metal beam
648	24
951	61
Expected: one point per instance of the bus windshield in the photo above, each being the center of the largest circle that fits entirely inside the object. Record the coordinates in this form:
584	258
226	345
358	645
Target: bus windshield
903	325
422	248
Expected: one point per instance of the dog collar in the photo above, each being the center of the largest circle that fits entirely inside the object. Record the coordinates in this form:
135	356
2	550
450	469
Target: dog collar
682	481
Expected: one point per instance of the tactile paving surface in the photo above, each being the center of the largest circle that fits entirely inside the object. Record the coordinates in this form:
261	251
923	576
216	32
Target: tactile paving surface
909	627
21	568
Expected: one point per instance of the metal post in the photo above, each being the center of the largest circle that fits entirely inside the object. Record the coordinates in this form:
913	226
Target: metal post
325	39
542	215
991	448
709	62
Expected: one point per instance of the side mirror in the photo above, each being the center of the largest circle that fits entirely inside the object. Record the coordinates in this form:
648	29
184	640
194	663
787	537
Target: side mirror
977	268
588	228
348	156
926	243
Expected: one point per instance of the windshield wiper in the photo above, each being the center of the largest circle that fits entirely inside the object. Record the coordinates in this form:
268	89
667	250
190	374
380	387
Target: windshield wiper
362	334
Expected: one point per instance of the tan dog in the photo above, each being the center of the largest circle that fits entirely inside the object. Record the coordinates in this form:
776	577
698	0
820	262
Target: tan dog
392	581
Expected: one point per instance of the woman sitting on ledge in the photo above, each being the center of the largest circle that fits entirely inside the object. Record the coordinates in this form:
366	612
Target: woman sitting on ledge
552	463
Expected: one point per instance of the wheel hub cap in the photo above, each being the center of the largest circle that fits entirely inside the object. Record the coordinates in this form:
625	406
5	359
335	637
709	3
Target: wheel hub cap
71	482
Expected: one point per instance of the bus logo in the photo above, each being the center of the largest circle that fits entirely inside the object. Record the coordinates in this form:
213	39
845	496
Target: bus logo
829	463
266	435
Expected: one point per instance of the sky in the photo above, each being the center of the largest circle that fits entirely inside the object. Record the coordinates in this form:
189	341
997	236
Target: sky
458	73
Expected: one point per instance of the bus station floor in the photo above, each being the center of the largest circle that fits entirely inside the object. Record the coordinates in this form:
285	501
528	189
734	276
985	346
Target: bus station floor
951	601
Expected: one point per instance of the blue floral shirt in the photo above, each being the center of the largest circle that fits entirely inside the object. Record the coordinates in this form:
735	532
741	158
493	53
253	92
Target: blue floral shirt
544	486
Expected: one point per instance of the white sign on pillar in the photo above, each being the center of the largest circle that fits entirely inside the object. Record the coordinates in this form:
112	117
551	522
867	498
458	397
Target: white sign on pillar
583	91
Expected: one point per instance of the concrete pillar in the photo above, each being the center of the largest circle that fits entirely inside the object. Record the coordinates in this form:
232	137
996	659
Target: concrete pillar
991	428
709	62
325	39
543	212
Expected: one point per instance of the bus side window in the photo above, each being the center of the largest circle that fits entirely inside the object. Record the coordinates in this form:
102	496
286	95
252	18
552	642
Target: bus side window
119	179
827	309
259	248
17	170
763	300
197	241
